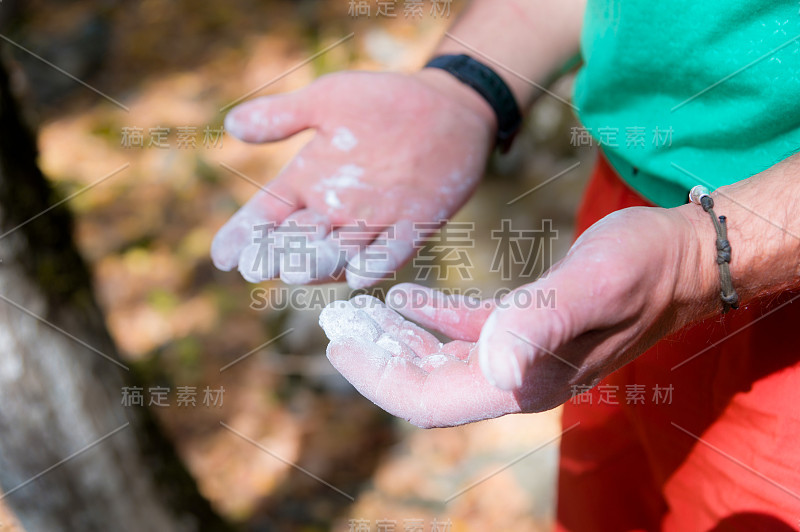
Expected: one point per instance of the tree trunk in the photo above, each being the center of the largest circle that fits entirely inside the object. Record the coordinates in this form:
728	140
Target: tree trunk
71	457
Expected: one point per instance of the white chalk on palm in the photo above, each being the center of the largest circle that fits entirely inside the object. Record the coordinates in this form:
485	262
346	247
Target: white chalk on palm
433	362
341	319
343	139
397	348
415	337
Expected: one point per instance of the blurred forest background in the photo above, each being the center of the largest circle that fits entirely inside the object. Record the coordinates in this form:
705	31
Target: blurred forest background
145	231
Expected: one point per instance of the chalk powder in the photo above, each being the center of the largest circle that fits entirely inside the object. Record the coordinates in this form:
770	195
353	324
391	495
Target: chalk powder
346	177
341	320
332	199
343	139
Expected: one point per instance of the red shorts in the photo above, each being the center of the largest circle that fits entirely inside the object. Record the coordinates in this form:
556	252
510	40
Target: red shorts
702	432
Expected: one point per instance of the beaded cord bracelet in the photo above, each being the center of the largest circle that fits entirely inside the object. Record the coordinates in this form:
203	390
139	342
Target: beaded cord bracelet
700	195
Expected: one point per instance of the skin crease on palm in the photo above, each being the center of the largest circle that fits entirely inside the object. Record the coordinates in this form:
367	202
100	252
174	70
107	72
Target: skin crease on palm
335	179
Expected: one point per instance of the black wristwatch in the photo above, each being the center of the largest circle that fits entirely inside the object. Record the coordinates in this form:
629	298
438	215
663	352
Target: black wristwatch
491	87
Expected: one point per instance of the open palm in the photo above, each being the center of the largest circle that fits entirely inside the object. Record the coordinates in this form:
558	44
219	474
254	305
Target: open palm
390	150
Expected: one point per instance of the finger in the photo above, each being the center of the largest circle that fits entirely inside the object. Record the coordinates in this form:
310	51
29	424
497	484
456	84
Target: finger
458	349
418	339
272	118
268	206
258	262
520	332
393	246
314	224
524	334
268	258
331	255
327	258
396	346
455	315
432	362
367	366
451	393
297	259
388	253
341	319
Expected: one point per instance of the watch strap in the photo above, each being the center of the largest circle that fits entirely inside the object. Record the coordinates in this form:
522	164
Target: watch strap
491	87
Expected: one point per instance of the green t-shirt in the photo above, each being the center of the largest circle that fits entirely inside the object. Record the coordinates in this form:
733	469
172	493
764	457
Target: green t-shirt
685	92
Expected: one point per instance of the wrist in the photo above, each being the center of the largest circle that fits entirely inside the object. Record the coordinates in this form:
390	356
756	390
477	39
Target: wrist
698	286
764	251
460	93
484	80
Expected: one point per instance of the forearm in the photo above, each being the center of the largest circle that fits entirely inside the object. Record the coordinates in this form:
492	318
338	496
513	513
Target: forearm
764	232
522	40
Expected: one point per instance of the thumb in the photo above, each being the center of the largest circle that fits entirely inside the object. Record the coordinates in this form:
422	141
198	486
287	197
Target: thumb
525	330
272	118
571	324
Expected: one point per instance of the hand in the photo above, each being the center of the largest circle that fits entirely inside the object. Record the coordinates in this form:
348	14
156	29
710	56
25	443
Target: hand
389	150
403	368
630	279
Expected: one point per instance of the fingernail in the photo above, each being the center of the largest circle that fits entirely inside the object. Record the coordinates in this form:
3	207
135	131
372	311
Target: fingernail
484	352
502	356
506	371
516	370
518	353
